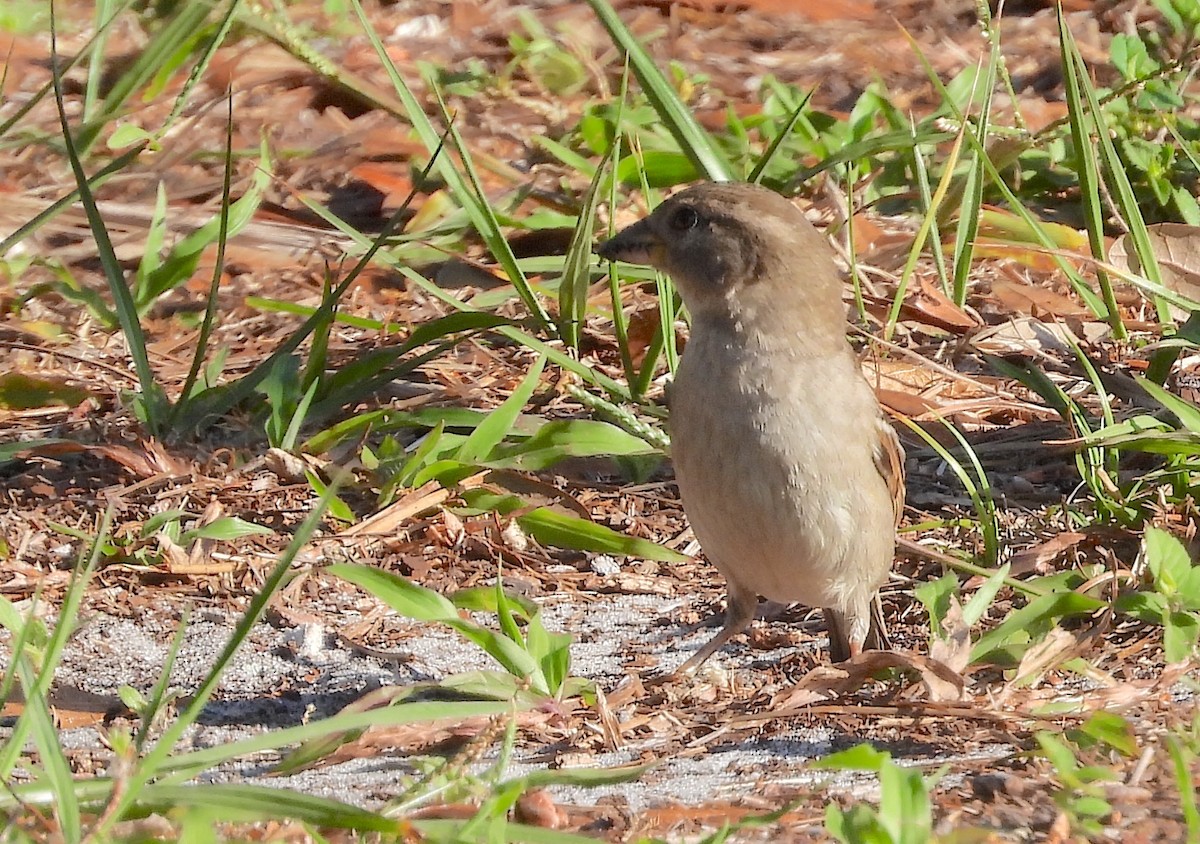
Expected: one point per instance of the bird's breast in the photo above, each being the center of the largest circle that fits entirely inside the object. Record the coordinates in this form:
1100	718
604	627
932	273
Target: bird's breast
773	454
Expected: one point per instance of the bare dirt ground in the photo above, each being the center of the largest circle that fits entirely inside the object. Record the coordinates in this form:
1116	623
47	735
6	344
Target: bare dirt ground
728	743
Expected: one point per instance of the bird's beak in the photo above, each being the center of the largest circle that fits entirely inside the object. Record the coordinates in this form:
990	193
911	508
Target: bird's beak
637	244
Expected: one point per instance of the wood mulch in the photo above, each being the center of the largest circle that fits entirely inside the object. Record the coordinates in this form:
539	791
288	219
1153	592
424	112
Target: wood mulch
750	722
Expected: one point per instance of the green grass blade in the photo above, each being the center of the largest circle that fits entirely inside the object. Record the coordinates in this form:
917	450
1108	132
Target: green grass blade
182	767
577	265
242	802
159	692
120	164
1078	284
856	281
184	29
973	182
777	142
510	653
1127	206
185	766
491	431
1182	760
24	631
980	493
899	141
935	234
104	14
185	255
923	234
181	262
55	770
650	359
967	228
154	401
46	90
1038	612
563	531
553	353
676	115
1188	413
1087	170
663	342
151	765
36	720
156	236
215	403
472	200
982	497
1105	459
52	650
567	156
402	595
278	306
565	438
483	216
202	65
423	604
214	285
559	358
668	311
1114	171
620	323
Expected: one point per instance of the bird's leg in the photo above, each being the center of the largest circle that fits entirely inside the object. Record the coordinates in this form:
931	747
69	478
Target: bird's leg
860	626
764	611
841	645
852	632
740	606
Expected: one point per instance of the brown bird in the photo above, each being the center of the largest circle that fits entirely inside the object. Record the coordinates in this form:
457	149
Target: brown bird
790	474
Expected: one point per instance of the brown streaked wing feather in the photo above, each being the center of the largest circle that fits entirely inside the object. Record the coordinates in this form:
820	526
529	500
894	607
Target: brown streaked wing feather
889	460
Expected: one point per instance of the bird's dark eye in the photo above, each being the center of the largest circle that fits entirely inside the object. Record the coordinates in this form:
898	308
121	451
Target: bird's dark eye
685	218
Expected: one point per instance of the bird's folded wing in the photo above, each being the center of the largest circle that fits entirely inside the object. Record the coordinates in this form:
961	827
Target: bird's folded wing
889	460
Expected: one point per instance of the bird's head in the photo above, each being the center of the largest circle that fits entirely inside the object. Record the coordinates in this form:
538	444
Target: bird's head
727	245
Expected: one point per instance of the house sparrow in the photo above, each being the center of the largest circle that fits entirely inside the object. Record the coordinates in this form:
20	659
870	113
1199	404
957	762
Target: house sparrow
790	475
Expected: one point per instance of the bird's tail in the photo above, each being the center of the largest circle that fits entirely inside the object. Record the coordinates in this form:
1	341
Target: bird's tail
839	624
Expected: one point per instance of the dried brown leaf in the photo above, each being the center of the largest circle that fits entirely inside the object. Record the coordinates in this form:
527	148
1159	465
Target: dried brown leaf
1038	557
829	682
1177	249
953	647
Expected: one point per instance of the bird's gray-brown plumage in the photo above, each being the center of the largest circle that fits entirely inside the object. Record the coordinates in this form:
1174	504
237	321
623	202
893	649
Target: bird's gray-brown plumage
790	475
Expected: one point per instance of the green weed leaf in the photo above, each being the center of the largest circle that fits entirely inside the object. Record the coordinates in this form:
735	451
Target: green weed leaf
225	529
935	596
1188	413
403	596
1030	623
1168	561
861	757
1112	730
675	114
560	530
19	391
661	169
492	430
563	438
